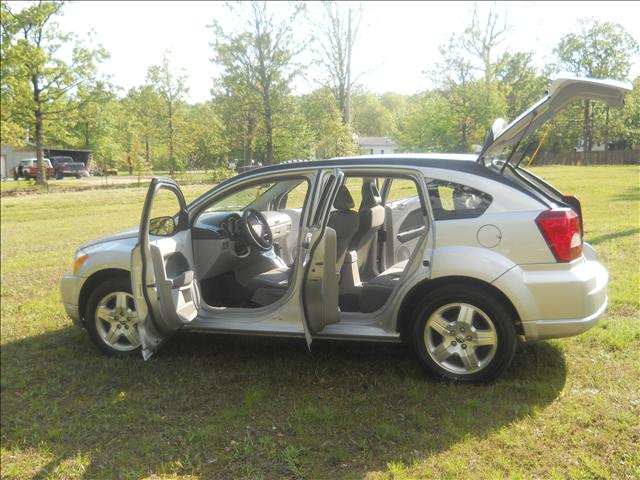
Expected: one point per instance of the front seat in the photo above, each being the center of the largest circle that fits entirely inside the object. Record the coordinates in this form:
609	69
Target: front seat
270	285
371	219
344	221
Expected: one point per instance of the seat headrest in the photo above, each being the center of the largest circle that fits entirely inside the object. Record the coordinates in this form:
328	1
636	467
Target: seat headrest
344	200
370	194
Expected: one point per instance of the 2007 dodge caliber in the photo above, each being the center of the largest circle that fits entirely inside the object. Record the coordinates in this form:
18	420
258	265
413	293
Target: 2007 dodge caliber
455	254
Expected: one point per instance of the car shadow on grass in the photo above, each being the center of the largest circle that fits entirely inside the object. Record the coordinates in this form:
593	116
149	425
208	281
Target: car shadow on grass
226	406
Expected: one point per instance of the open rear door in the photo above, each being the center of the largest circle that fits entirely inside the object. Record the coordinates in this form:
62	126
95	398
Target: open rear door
320	284
162	272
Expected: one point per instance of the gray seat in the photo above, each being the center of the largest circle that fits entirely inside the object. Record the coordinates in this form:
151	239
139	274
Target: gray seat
376	292
371	219
344	221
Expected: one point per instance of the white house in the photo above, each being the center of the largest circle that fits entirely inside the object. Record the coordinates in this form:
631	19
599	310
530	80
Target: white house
10	158
376	145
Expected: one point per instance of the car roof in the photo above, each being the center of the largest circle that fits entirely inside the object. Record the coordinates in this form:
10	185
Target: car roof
448	161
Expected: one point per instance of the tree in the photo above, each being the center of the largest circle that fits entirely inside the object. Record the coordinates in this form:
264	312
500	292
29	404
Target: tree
331	137
171	88
339	32
36	76
370	117
147	111
260	59
600	50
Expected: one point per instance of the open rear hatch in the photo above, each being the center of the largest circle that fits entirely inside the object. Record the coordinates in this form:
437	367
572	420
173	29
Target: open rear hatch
563	91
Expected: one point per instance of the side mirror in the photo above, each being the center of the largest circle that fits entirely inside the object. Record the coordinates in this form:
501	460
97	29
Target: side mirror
162	226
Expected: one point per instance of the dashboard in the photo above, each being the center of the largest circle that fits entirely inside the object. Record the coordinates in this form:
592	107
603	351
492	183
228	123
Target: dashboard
219	243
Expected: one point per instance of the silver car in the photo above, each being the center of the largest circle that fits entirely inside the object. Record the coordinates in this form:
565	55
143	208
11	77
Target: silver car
456	255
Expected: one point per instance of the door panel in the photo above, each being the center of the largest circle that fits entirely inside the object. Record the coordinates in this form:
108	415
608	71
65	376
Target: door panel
404	227
162	273
320	281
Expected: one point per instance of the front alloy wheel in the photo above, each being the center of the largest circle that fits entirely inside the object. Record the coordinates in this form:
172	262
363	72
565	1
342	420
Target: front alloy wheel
117	321
111	318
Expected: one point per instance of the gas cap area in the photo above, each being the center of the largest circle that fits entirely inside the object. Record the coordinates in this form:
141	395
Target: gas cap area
489	236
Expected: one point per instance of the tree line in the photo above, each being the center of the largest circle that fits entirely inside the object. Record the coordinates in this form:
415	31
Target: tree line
253	115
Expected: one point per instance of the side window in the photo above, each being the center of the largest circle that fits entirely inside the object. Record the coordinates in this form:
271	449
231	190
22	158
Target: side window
163	213
296	196
451	200
401	189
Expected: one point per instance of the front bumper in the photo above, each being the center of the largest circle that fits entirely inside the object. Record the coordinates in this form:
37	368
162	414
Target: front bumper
557	300
70	292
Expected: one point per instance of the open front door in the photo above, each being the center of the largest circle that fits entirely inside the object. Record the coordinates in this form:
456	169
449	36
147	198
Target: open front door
320	284
162	273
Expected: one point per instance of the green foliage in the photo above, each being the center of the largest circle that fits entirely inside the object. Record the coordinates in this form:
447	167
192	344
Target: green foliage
258	67
370	116
331	136
36	77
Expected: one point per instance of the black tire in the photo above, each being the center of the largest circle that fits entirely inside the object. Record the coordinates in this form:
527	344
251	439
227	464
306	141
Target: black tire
494	309
118	284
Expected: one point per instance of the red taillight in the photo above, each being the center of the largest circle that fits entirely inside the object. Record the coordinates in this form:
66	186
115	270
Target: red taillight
574	203
561	229
34	170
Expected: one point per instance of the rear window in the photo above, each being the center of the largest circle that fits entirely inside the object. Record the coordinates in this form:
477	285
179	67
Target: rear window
451	200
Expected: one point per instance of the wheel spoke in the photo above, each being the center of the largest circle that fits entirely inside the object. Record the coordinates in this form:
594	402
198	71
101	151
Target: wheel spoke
485	337
441	352
131	334
469	359
465	315
439	324
105	314
121	301
112	335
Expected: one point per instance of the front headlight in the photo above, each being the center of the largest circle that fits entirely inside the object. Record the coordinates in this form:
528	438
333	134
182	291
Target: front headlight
81	257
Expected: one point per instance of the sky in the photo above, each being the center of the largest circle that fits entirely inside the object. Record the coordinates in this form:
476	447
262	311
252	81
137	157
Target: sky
397	41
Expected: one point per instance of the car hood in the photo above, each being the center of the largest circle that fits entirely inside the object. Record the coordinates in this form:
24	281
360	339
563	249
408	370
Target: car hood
122	235
563	90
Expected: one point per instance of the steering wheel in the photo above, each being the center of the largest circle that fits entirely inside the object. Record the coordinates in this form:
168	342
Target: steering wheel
256	229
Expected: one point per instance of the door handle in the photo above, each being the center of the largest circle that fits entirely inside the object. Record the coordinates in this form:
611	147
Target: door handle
306	242
185	278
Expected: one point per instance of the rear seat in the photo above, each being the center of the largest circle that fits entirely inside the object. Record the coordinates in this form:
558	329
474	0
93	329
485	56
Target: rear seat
376	292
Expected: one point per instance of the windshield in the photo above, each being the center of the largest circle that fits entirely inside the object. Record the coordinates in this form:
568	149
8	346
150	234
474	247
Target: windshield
241	199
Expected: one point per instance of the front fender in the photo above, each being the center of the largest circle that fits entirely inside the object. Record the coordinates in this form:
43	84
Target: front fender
113	254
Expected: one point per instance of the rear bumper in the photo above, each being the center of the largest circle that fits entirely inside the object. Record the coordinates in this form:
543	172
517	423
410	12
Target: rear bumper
543	329
557	300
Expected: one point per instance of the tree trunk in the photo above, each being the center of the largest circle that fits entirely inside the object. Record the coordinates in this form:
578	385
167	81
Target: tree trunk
147	153
586	146
606	134
268	127
347	112
171	161
41	176
251	126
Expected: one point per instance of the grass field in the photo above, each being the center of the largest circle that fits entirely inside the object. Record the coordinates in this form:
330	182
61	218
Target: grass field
225	407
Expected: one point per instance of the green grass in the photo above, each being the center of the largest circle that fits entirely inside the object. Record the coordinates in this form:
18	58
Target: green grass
226	407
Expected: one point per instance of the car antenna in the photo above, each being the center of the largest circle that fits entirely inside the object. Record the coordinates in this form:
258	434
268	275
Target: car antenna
515	147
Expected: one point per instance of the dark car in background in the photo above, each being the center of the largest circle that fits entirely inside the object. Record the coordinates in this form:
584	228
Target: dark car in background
65	166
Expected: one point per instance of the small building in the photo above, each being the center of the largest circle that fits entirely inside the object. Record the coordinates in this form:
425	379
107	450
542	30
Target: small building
376	145
11	156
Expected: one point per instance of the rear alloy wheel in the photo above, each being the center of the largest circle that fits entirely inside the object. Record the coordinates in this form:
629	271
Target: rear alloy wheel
463	334
111	318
